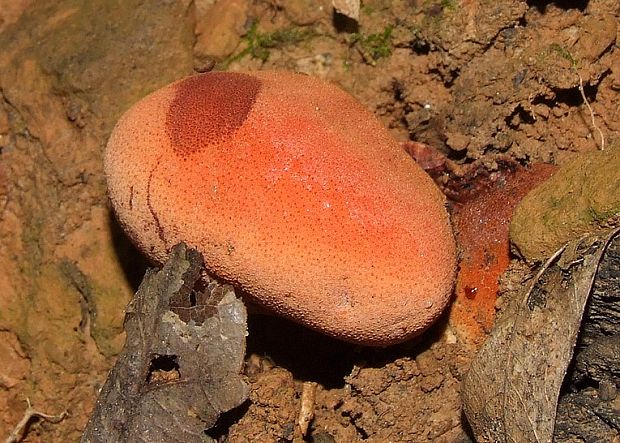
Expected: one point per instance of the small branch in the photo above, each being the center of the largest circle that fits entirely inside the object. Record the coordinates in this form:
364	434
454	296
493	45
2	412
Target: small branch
19	431
585	100
542	270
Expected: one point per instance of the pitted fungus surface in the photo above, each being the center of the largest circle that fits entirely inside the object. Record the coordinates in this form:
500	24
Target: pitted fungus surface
294	192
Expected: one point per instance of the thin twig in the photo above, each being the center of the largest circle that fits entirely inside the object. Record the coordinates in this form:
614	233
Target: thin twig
585	100
543	268
306	412
18	432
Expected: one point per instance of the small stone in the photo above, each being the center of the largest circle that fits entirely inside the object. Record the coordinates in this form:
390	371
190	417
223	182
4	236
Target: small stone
219	29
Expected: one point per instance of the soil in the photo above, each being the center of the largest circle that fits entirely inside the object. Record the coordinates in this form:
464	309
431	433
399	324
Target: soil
480	82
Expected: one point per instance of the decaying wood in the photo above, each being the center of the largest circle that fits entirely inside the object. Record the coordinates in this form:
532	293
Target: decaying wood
510	393
180	367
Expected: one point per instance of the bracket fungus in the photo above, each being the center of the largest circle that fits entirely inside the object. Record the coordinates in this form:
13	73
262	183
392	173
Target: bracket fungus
293	192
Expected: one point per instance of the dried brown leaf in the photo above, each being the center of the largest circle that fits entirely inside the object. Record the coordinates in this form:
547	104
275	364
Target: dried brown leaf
511	391
179	370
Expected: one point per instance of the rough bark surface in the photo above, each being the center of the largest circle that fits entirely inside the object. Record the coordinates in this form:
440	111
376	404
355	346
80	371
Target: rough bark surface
590	411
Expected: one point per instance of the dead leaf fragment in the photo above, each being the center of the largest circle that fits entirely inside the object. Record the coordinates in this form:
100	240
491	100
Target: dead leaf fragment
180	368
511	391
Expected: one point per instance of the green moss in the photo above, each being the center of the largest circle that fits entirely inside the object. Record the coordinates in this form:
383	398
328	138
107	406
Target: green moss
374	46
449	5
582	197
563	52
555	51
601	217
258	44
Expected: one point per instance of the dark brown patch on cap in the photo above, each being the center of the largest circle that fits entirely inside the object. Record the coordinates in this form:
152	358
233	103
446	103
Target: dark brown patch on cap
208	108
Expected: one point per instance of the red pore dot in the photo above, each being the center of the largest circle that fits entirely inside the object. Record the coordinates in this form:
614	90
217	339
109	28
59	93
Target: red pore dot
209	108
